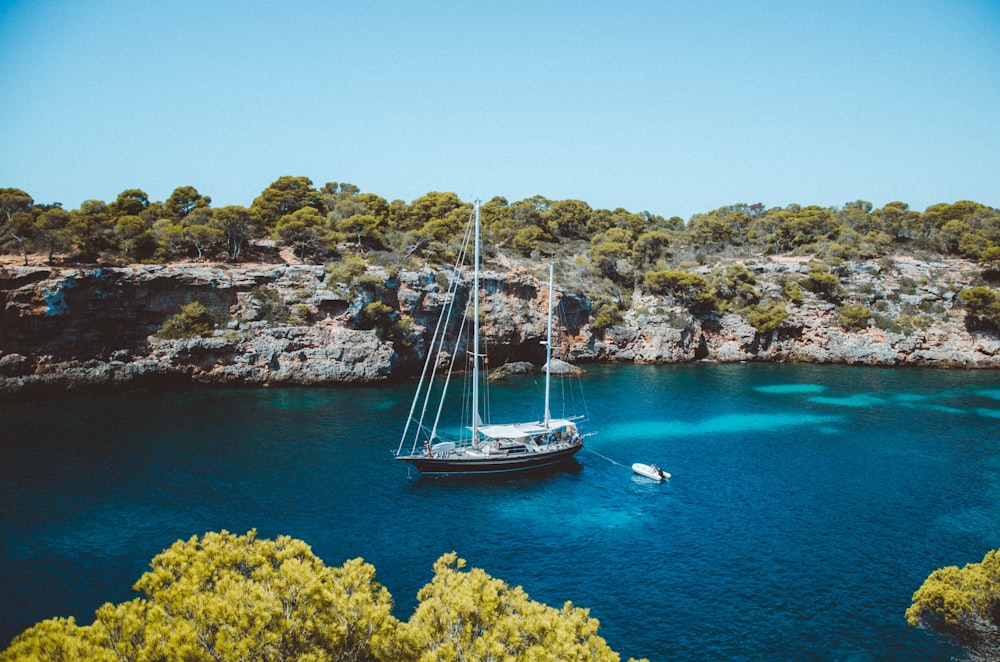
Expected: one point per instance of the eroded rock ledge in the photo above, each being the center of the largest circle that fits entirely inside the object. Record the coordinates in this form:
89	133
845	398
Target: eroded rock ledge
65	329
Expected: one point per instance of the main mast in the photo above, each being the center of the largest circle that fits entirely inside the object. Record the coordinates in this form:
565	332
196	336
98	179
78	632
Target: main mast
475	333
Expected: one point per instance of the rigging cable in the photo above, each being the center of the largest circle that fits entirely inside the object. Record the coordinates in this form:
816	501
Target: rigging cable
587	448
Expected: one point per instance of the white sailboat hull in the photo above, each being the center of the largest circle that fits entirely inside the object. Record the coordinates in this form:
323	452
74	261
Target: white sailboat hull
473	461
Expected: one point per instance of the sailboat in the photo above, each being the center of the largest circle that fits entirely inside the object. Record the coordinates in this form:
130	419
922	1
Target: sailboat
483	447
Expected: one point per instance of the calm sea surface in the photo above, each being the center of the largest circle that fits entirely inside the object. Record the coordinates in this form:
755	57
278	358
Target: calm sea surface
807	503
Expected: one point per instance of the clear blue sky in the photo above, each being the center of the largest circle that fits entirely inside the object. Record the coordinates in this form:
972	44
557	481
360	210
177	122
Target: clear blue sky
673	107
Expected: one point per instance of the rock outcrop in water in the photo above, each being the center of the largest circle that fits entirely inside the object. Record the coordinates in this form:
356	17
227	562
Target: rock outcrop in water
73	328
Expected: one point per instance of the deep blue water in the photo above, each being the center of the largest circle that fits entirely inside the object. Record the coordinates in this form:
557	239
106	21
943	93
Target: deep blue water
807	503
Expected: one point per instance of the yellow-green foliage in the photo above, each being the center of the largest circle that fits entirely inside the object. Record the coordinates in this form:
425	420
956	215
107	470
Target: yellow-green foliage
226	598
344	272
766	317
822	282
472	616
854	316
691	289
192	321
963	604
606	313
982	303
734	288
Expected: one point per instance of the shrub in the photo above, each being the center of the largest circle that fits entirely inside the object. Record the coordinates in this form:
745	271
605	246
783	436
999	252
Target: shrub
300	313
194	320
962	604
854	316
824	284
982	304
766	317
736	285
691	289
605	314
888	324
791	291
270	306
344	273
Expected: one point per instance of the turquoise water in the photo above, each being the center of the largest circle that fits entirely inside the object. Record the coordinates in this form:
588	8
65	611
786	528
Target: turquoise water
806	504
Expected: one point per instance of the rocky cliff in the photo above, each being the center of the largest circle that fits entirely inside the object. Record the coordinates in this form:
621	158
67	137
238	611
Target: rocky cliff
63	328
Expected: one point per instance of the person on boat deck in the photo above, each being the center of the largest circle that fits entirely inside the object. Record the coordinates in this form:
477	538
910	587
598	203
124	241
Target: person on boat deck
427	445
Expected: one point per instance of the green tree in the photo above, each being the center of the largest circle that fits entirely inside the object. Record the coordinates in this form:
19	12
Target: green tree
858	216
569	218
286	195
91	228
199	231
16	220
305	230
238	226
364	229
134	238
972	245
184	200
983	306
342	201
526	240
963	605
897	220
62	640
130	202
50	230
602	220
726	226
442	210
651	247
498	220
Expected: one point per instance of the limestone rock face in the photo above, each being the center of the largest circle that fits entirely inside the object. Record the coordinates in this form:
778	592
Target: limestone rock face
64	329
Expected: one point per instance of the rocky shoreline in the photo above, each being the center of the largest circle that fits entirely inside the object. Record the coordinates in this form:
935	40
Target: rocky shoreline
73	329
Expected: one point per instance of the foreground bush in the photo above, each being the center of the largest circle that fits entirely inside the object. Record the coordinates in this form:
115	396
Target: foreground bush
963	604
193	320
239	598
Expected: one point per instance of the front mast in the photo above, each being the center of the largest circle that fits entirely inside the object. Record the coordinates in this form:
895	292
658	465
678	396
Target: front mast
548	349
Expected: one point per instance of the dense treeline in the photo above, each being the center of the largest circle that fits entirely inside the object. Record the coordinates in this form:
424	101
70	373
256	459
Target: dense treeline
222	598
622	249
321	223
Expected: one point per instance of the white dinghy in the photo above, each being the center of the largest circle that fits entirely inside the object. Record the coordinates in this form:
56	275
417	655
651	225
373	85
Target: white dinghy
650	471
